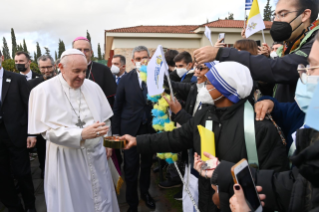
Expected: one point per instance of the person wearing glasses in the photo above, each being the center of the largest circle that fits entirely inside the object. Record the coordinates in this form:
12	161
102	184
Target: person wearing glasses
47	68
297	189
96	72
295	24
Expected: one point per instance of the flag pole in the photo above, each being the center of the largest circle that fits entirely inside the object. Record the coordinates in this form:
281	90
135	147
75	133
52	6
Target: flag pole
262	32
170	87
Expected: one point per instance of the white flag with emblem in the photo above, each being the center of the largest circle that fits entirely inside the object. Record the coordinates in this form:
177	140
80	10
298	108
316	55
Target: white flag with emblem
255	22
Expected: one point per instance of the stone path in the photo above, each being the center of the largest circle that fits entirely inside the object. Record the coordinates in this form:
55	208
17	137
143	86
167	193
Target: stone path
162	204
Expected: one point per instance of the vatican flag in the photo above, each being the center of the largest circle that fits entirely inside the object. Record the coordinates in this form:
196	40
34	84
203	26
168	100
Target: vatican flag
255	22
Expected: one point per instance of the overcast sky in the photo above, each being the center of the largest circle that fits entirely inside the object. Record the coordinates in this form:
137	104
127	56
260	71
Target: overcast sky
47	21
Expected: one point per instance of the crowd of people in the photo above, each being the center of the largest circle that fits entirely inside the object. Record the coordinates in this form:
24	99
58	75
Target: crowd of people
64	113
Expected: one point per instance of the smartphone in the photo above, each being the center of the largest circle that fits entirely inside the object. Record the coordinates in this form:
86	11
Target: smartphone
258	42
220	36
242	176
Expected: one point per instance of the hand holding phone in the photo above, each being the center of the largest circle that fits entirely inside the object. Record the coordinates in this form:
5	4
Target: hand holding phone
242	176
221	37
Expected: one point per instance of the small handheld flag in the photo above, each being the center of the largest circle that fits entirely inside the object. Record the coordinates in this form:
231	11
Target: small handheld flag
208	35
248	4
255	22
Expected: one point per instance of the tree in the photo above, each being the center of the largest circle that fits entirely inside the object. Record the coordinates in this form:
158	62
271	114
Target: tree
14	43
61	48
34	56
39	53
88	36
47	51
267	12
230	16
25	48
5	50
99	53
56	55
20	48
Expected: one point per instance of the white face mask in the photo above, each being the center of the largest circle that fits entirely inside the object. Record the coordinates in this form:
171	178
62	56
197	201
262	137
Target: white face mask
115	69
181	71
204	96
138	65
273	55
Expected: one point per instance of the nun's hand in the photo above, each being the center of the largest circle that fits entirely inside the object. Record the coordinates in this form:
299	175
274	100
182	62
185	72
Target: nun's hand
262	108
205	54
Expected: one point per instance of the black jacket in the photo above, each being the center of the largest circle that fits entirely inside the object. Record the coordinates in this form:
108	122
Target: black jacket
102	75
35	75
296	190
34	82
229	138
14	107
282	71
130	106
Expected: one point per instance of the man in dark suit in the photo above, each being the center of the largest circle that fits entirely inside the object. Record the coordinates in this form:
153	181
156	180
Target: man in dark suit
118	67
14	141
22	64
132	115
47	68
96	72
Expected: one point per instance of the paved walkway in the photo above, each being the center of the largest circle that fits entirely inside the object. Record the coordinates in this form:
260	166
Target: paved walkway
162	204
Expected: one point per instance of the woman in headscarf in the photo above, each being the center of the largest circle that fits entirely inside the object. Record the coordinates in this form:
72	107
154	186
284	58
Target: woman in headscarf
228	88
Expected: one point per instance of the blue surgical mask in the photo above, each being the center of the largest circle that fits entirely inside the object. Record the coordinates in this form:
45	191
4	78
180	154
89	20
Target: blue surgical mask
304	92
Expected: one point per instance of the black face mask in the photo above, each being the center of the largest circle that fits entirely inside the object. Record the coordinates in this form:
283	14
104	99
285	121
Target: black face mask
281	31
21	67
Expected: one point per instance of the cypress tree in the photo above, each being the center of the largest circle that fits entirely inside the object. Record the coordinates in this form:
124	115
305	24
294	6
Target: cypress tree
25	48
88	36
39	53
35	57
267	12
56	56
14	43
99	53
5	49
47	50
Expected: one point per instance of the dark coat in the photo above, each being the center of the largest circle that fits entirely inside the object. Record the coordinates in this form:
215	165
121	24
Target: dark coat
296	190
14	107
282	71
35	75
229	138
34	82
103	76
130	106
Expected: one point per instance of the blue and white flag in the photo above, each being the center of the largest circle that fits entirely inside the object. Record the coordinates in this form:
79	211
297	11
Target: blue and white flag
156	69
248	4
208	34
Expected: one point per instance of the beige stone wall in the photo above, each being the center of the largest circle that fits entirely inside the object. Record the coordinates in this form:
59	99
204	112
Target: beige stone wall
127	53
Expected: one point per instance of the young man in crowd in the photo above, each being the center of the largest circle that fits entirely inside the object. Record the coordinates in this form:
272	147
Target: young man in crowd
118	67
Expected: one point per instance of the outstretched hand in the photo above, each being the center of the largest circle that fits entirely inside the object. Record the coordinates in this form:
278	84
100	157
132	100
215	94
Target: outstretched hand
175	106
205	54
198	164
131	141
262	108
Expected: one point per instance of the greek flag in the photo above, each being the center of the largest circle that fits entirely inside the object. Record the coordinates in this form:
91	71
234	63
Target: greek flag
248	4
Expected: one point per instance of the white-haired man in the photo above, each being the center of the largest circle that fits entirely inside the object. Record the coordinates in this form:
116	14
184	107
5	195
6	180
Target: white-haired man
73	120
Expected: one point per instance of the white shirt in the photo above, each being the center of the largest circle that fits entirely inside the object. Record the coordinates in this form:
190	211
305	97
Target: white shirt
29	75
1	79
139	78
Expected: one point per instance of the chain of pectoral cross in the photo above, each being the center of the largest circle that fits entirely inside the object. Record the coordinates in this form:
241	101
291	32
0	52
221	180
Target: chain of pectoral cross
80	123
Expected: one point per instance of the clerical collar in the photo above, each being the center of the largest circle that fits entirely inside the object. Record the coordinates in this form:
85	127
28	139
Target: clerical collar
64	82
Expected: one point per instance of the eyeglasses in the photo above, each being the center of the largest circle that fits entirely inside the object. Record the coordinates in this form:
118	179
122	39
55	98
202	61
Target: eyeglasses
302	70
46	67
281	15
201	68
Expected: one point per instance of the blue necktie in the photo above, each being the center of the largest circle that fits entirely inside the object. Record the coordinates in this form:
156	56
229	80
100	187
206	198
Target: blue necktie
118	80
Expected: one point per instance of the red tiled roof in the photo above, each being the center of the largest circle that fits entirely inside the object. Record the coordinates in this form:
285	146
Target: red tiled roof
189	29
184	29
232	24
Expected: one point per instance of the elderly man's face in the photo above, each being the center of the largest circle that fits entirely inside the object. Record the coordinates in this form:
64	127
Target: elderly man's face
46	68
314	58
74	71
85	47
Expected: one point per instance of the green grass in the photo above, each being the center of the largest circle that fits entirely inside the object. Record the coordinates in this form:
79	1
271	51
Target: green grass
169	194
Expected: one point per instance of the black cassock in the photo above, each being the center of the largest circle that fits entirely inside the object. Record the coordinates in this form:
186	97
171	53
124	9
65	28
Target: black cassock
102	75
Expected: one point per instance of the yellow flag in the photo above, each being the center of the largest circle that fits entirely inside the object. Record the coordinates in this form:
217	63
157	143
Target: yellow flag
207	141
255	22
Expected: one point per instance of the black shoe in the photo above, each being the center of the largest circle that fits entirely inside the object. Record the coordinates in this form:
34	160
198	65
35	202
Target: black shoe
179	196
169	184
149	202
132	210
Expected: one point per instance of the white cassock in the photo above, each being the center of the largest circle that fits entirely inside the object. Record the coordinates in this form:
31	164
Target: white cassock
77	176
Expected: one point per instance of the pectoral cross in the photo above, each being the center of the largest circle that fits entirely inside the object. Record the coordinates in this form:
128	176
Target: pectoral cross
80	123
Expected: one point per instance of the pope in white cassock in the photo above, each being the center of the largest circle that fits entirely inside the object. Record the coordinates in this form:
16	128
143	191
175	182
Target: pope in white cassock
73	115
